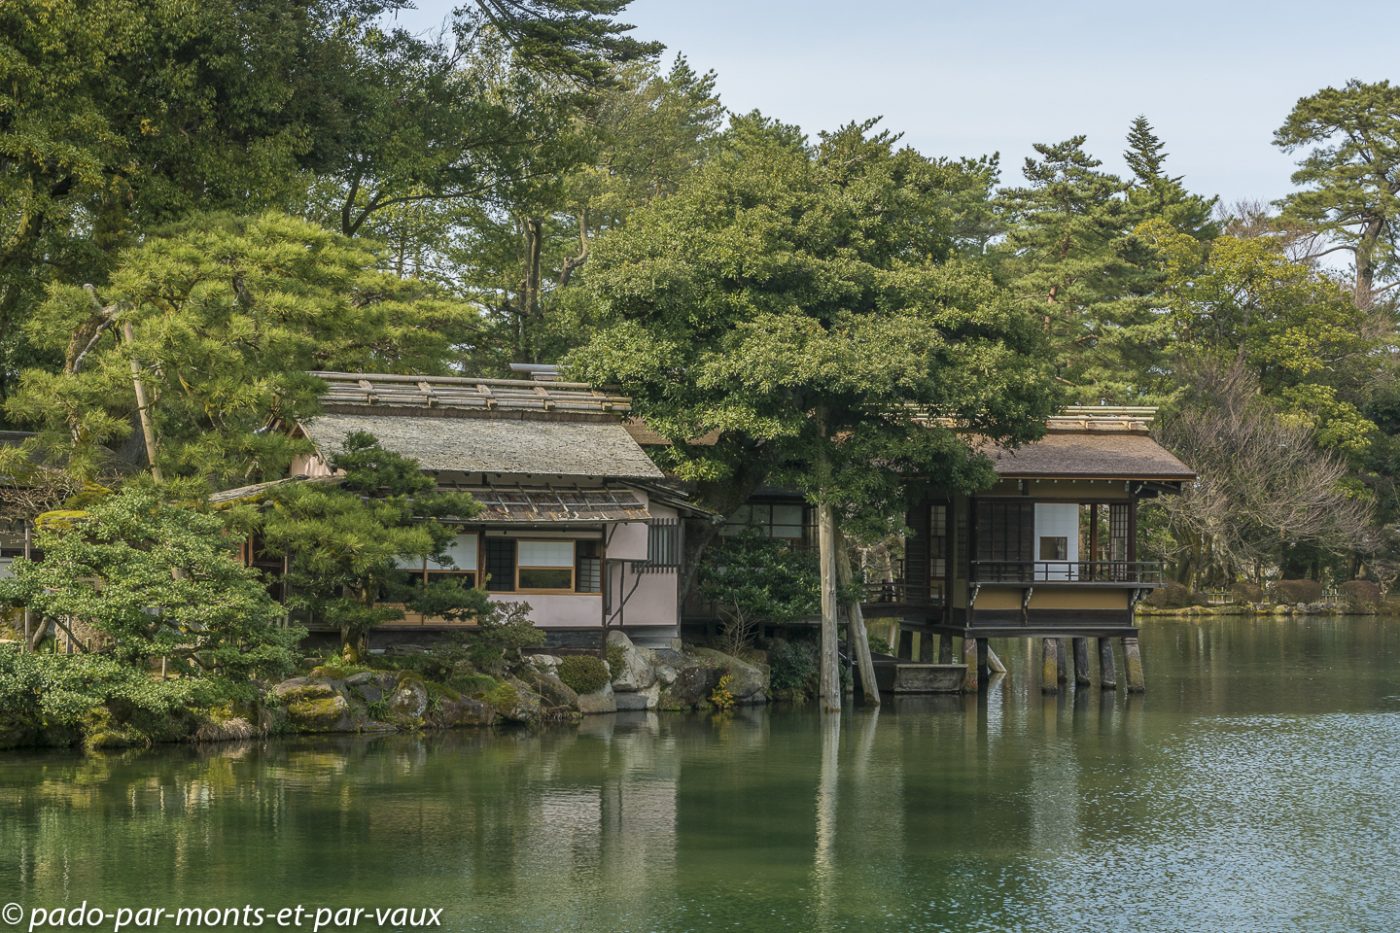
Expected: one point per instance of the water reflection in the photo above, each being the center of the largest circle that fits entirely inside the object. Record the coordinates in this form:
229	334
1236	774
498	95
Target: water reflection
1254	787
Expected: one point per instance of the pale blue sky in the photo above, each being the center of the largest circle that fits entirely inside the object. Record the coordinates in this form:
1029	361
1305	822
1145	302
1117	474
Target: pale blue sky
964	78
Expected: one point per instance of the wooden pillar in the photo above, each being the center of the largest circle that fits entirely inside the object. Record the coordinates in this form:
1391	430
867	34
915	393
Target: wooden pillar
1108	673
970	684
926	646
1062	656
983	671
1081	662
829	687
1049	665
945	649
906	644
1132	665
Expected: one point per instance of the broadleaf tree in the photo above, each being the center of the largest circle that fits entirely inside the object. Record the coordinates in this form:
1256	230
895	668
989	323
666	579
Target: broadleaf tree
779	317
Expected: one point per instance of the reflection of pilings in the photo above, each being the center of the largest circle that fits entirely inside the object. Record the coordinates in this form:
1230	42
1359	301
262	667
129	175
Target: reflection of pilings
824	859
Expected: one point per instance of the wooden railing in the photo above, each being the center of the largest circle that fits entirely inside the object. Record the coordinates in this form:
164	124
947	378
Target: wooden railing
1124	572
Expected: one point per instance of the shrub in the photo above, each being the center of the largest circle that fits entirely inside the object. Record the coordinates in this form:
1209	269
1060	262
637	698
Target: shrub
617	659
1292	592
583	673
1247	592
503	632
1360	595
722	698
97	697
1174	596
794	668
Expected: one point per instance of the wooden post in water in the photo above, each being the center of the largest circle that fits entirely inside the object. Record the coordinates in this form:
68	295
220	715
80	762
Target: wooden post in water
1108	673
970	684
1132	665
1062	657
945	649
856	637
994	662
1081	662
1049	665
983	670
926	646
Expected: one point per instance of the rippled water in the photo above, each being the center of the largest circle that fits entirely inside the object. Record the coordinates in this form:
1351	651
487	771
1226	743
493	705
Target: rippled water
1255	787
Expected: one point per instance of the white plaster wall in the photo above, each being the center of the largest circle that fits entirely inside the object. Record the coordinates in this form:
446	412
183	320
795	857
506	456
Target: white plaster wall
1057	520
565	610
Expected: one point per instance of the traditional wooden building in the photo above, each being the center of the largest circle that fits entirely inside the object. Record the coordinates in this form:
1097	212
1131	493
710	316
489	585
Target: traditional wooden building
1050	551
577	521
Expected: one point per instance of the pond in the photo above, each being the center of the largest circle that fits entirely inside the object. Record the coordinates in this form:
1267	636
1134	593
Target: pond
1255	786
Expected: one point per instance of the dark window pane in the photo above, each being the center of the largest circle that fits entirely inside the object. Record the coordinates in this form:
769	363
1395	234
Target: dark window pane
500	565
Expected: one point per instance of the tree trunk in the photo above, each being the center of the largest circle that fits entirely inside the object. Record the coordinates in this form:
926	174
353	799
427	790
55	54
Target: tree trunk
830	692
855	625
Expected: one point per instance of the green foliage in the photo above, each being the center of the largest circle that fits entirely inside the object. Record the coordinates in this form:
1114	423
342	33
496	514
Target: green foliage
227	314
151	580
794	667
72	694
343	542
1352	140
583	673
721	697
785	298
503	633
756	577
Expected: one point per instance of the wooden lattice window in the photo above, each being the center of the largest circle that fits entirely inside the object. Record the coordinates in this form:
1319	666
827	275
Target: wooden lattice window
1005	529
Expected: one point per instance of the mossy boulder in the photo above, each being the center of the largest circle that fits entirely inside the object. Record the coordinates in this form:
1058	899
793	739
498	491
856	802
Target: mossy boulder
314	706
692	687
557	699
456	712
748	683
409	701
631	669
602	700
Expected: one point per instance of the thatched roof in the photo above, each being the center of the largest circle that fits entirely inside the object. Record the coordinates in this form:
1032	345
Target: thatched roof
1089	453
493	445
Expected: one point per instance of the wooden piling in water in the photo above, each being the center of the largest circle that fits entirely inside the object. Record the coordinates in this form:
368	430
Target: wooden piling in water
945	649
1049	665
1108	673
1132	666
970	684
1062	657
994	662
1081	662
983	669
926	647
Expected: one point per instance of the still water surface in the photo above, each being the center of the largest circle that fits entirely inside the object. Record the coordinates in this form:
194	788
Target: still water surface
1255	787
